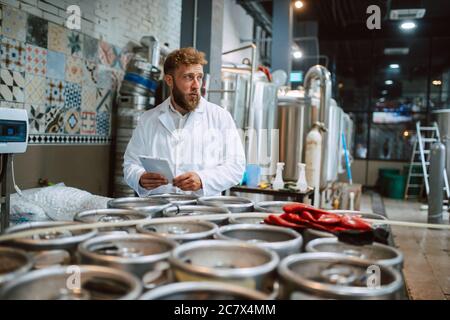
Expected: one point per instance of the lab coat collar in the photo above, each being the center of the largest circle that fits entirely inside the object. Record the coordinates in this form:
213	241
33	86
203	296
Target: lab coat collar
167	121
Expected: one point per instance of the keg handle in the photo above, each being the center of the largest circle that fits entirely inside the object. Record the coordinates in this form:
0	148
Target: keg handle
354	253
338	274
178	230
158	276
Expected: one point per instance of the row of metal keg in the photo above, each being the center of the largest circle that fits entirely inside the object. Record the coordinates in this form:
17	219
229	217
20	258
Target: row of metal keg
137	95
235	258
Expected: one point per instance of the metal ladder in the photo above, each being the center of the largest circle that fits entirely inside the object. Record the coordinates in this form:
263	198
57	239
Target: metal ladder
421	149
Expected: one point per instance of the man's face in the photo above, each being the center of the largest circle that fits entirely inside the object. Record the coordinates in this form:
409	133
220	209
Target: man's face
186	84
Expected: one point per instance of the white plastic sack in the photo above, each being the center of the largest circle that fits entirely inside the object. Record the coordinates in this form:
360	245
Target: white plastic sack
53	203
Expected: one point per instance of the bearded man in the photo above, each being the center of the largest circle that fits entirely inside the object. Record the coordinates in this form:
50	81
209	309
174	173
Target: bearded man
199	139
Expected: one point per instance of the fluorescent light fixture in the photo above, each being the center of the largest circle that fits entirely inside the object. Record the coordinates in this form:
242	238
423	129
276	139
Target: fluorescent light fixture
389	82
297	54
394	66
408	25
384	92
298	4
396	51
437	82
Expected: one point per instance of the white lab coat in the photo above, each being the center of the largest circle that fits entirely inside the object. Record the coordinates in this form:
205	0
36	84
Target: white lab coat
209	145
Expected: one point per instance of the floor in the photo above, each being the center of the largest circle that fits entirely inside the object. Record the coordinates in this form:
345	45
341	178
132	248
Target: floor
426	251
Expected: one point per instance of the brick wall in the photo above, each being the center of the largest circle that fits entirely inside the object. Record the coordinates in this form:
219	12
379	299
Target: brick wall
114	21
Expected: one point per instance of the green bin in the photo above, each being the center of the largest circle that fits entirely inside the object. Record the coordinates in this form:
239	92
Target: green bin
381	181
395	185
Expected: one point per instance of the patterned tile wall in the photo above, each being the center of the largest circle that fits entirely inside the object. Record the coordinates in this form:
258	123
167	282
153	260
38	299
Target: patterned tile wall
65	80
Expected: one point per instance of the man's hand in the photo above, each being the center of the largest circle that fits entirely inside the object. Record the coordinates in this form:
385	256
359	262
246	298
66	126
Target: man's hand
150	180
189	181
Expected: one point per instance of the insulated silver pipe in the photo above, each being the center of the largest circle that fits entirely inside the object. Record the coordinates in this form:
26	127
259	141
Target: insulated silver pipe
321	74
436	195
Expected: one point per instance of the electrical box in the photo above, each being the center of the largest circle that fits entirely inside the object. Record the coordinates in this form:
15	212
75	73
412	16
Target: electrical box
13	130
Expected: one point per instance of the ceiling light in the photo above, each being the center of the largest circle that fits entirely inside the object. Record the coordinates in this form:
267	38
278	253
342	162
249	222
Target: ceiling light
298	4
394	66
297	54
405	133
408	25
389	82
396	51
437	82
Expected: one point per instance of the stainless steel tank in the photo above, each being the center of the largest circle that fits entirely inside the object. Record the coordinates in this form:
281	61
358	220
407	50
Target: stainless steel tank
334	144
263	143
443	120
347	131
294	123
234	95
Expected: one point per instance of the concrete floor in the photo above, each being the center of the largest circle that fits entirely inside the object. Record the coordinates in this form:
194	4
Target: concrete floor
426	251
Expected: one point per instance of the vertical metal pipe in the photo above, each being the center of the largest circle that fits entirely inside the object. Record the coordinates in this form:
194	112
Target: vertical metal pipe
194	28
321	73
436	195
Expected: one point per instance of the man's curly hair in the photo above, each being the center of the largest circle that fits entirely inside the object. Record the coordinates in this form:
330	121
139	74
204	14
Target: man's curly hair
183	56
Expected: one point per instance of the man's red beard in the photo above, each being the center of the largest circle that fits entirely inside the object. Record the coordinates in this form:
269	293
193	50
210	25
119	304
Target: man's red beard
188	102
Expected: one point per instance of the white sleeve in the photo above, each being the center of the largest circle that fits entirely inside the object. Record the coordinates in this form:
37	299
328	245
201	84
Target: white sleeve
132	167
230	171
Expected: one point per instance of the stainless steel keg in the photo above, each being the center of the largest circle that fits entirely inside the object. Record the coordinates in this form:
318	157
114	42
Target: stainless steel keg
272	206
50	247
13	263
111	215
180	211
232	262
234	204
177	198
150	206
203	291
379	253
180	231
142	255
321	275
281	240
73	283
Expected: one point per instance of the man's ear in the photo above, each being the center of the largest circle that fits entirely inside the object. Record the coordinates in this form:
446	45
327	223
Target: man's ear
169	80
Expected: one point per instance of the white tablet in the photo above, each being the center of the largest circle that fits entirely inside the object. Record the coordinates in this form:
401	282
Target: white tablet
157	165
